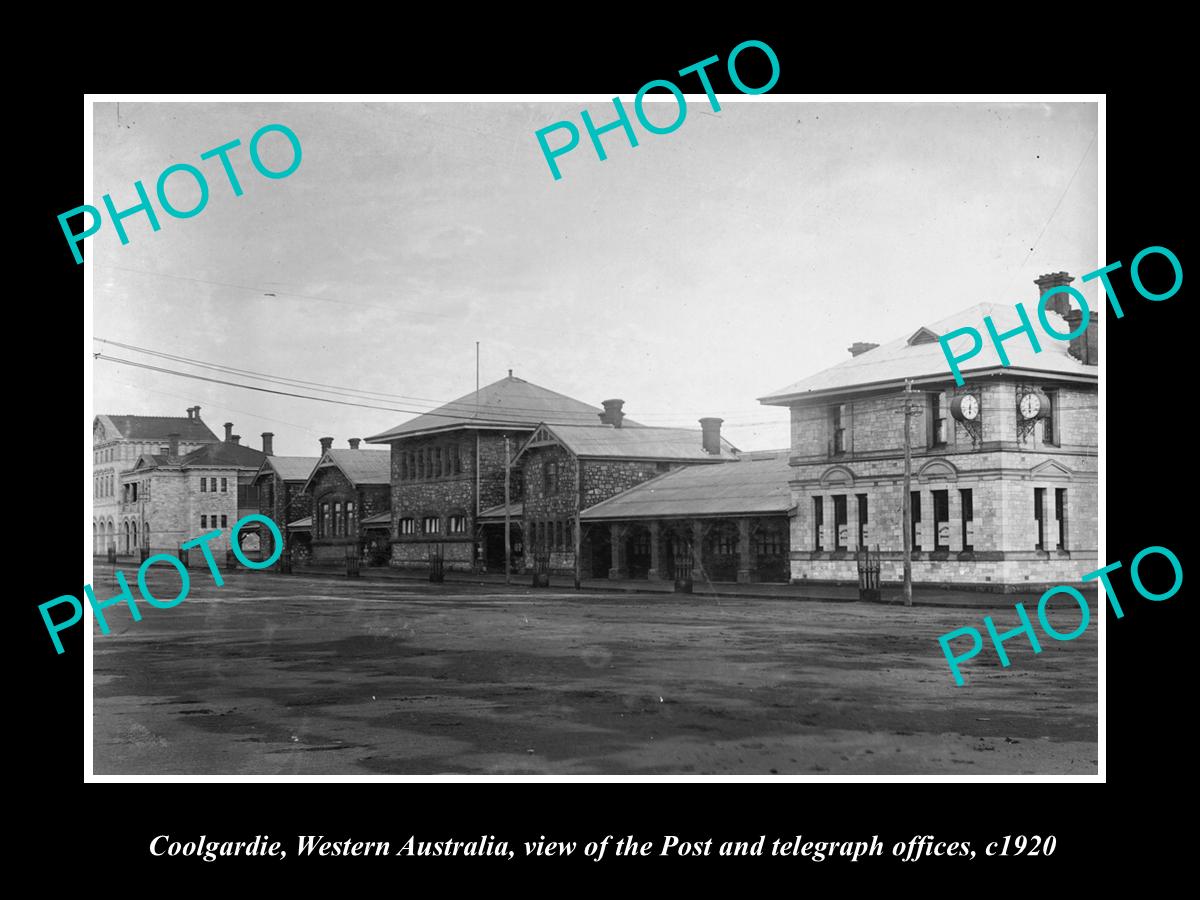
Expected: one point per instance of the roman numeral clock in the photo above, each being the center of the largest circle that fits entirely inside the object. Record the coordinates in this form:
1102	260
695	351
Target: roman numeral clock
1032	405
965	408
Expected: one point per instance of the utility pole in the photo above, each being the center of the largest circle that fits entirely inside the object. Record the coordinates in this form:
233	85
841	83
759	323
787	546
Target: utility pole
907	495
578	525
507	556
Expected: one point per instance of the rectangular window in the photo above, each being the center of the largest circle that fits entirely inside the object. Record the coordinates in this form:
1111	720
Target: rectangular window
408	526
224	486
403	462
818	522
863	531
551	479
839	522
432	525
1050	420
351	520
437	462
937	420
224	522
1039	511
968	519
941	520
457	525
558	535
1060	510
204	521
203	485
338	522
837	422
323	524
915	504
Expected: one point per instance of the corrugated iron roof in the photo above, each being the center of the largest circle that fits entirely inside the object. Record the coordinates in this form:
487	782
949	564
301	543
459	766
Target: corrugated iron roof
301	524
496	513
895	361
291	468
156	428
757	484
638	443
359	466
383	518
225	454
510	401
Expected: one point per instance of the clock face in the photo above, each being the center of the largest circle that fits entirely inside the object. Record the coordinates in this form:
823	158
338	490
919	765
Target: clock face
969	407
1030	406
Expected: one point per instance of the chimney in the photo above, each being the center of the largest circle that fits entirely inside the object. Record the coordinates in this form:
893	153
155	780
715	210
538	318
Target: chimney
354	442
1060	302
235	439
268	443
711	440
196	415
860	347
190	411
612	414
326	443
173	442
1085	347
228	432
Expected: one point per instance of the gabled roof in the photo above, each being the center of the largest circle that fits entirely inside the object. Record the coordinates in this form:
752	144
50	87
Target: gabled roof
290	468
359	466
757	484
224	454
643	442
920	356
508	402
155	428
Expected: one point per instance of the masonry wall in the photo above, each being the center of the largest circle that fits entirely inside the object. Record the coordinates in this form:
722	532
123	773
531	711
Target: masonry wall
329	485
444	495
1001	471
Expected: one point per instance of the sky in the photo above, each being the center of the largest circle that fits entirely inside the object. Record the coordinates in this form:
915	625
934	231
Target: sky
689	275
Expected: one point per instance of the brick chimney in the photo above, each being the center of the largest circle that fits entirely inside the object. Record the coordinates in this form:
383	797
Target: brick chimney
860	347
173	442
711	431
268	443
612	414
196	414
1061	302
354	442
1085	347
235	439
228	432
326	443
191	411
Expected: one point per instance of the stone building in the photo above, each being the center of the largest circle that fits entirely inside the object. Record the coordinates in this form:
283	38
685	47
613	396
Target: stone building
281	495
1003	486
729	523
117	442
350	502
569	468
169	498
447	466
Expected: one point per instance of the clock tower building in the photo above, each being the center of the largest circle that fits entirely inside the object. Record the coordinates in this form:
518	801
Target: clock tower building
1003	488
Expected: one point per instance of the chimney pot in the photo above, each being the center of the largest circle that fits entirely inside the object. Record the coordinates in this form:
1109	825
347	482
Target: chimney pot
860	347
613	413
173	443
196	414
235	438
326	443
1060	302
354	442
268	443
710	429
228	431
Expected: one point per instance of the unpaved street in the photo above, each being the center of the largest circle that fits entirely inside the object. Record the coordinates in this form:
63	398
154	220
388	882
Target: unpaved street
287	675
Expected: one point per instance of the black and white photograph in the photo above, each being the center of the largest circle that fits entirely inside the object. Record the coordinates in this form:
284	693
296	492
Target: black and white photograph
480	437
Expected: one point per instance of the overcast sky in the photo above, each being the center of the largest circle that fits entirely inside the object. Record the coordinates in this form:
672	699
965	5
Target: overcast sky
688	276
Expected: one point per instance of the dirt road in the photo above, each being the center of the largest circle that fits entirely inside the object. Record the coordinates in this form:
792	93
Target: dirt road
294	675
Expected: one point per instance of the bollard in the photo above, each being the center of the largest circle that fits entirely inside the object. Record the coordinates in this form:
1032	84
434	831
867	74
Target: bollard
183	555
230	560
112	554
285	562
351	563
